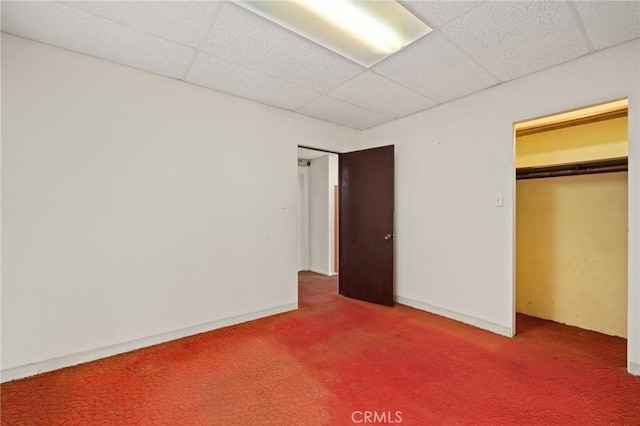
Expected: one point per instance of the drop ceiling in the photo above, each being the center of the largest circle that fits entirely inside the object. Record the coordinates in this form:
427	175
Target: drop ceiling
222	46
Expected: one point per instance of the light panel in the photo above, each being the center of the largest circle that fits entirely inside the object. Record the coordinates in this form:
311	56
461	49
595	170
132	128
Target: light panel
363	31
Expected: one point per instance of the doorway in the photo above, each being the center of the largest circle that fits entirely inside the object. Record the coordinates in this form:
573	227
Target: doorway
350	205
317	211
571	218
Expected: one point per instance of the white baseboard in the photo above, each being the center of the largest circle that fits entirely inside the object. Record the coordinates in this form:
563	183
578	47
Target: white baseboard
476	322
318	271
633	368
92	355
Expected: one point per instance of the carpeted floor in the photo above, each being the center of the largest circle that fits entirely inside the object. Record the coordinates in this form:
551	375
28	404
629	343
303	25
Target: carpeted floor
338	361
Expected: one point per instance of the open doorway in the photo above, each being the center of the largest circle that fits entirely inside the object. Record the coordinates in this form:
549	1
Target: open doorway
317	211
317	226
571	218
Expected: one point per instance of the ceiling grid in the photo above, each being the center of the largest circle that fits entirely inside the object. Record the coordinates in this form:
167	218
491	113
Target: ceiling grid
220	45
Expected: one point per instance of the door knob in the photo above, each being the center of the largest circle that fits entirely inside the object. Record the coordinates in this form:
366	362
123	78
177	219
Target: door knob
389	236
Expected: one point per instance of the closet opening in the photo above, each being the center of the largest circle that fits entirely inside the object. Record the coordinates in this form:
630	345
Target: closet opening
571	219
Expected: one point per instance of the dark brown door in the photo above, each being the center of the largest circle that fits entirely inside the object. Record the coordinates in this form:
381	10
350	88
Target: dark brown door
366	225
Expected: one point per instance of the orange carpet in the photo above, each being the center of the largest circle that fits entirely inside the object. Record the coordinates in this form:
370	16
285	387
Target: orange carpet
338	361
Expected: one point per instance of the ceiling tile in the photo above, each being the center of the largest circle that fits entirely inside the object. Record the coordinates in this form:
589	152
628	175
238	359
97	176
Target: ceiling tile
78	31
381	95
244	38
439	13
208	71
513	39
610	23
435	68
475	45
186	22
329	109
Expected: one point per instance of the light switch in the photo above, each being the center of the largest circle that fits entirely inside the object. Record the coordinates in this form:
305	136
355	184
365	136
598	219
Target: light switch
497	201
283	204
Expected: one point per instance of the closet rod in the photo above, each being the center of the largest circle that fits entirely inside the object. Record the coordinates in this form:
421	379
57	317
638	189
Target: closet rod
572	169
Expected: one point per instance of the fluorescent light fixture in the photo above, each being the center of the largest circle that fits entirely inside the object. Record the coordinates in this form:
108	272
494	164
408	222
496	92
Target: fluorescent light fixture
364	31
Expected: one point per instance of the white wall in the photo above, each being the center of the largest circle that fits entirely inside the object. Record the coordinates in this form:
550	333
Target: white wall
333	181
303	218
318	218
137	208
323	175
455	251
